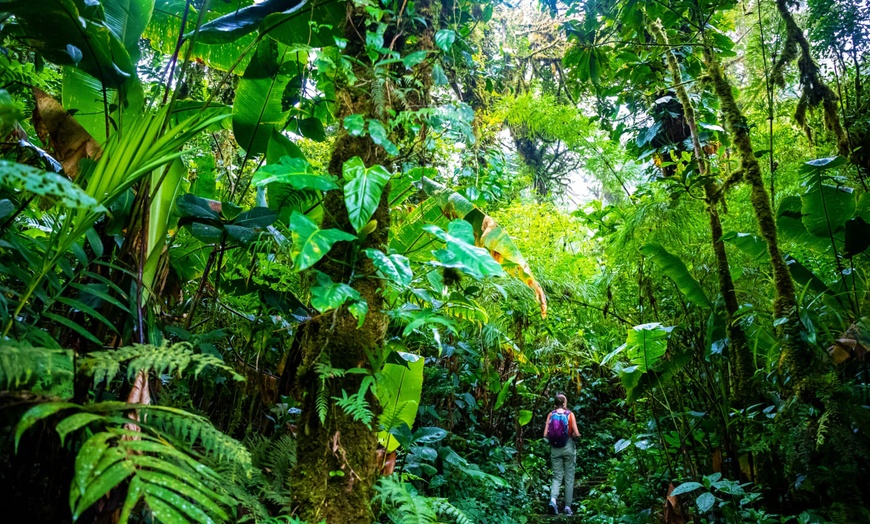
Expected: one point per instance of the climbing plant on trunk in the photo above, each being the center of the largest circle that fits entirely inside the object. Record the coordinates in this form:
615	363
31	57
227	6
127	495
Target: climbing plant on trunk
337	462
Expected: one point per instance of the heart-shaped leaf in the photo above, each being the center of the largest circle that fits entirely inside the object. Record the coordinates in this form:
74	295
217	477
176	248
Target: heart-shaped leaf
293	171
328	295
362	192
395	267
310	243
444	39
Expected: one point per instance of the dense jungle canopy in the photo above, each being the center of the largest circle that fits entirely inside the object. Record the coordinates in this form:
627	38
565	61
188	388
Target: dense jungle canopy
295	261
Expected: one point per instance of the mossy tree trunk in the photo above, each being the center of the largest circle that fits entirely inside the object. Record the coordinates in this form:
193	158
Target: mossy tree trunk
797	356
337	466
741	357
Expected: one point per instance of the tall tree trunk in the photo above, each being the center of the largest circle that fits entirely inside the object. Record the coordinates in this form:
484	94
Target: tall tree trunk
797	356
741	357
337	466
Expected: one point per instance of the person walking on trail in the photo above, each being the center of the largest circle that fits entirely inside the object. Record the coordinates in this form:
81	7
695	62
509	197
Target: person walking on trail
560	430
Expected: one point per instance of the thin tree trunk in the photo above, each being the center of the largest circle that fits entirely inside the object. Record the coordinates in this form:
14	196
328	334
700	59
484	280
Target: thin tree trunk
797	356
741	357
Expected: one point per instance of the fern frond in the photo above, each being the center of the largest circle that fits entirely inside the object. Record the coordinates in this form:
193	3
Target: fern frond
26	367
355	406
173	484
466	311
166	359
321	403
443	507
193	429
402	504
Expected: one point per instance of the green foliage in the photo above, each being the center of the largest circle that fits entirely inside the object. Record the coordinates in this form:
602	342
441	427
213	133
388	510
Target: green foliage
47	184
310	243
644	348
399	389
362	190
404	505
36	369
560	148
172	483
461	253
143	358
257	108
676	270
67	35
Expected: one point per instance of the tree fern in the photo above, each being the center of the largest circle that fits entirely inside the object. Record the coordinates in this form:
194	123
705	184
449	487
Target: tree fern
165	359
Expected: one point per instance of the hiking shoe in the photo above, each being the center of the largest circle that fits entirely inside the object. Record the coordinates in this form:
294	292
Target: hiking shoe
554	508
567	511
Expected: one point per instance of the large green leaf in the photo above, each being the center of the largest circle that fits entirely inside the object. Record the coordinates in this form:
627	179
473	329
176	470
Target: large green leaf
399	388
395	267
159	215
789	222
675	269
66	35
644	348
165	27
487	234
327	295
310	243
127	20
325	17
461	253
804	277
363	190
82	95
826	208
750	244
283	197
235	24
296	172
257	110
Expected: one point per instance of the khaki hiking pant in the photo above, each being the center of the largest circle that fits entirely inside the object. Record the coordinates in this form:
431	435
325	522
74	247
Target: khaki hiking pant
564	461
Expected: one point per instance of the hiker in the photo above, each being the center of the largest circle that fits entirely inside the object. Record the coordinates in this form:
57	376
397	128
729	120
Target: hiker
559	431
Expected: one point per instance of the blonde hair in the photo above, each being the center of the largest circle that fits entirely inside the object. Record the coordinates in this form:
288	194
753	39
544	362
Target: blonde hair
561	400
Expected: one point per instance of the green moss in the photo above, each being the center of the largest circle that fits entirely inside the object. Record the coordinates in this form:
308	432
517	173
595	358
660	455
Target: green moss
815	91
741	357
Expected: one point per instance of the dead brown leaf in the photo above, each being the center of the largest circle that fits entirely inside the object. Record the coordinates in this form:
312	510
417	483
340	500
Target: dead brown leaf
65	138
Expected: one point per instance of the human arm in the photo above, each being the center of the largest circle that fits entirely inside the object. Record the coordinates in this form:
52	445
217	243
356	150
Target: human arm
547	424
572	426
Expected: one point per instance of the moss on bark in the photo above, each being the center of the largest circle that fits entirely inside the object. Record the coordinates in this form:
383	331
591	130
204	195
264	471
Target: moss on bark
815	91
797	356
741	358
333	480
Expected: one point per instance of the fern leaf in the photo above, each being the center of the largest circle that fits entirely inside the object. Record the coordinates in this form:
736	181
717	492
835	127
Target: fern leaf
357	408
321	403
168	359
26	367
